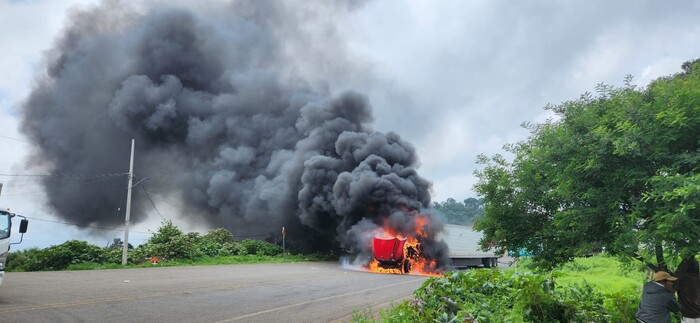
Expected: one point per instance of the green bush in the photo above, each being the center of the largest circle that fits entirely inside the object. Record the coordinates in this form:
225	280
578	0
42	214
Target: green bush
215	249
21	260
177	248
217	243
219	235
61	256
622	306
141	253
166	232
113	255
485	295
168	243
258	247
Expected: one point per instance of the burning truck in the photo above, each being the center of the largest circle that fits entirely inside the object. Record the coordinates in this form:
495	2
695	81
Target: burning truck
398	253
411	250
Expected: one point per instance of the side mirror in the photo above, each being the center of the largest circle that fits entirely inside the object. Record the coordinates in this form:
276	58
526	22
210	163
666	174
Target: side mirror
23	225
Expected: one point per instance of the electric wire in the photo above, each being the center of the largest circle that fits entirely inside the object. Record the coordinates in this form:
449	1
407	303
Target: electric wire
15	139
84	225
143	186
84	179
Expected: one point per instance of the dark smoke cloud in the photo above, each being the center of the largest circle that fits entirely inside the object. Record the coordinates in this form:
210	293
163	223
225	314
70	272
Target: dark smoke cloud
223	119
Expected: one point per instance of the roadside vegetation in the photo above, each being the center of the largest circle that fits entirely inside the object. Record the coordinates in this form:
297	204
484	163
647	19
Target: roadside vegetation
169	246
617	171
595	289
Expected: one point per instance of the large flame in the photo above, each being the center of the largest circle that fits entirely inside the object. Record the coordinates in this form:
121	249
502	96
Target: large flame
418	263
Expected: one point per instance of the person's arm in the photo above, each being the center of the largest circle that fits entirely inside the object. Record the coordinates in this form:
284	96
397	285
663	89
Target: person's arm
672	304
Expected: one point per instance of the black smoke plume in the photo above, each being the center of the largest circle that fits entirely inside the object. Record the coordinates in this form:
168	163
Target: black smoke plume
226	118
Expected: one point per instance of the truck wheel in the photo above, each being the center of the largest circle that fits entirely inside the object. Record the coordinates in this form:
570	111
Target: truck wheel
406	266
486	262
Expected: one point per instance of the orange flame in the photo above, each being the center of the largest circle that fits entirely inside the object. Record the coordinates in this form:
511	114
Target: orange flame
419	265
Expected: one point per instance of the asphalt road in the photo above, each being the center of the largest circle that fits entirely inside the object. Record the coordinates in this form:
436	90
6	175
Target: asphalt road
296	292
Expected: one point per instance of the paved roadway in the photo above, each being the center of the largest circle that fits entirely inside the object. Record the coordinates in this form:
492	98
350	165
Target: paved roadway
296	292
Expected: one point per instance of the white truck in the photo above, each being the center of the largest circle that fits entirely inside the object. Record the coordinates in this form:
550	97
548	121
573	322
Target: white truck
5	233
464	247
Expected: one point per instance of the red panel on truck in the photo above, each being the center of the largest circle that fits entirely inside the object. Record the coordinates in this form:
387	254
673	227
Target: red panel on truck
390	249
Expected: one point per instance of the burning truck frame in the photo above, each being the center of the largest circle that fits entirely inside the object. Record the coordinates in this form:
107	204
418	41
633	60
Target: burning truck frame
397	252
423	245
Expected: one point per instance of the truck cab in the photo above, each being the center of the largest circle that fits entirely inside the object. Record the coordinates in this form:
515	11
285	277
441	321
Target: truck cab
5	234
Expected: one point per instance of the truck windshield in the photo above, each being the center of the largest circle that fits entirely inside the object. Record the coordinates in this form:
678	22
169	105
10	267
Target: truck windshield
4	225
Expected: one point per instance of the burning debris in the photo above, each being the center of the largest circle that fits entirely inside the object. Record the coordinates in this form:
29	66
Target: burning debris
224	121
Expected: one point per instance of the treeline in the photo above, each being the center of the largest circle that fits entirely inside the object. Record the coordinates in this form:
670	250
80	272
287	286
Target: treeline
463	213
169	243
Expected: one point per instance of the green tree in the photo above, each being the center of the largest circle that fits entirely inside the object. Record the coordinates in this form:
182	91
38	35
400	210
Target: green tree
169	242
463	213
615	172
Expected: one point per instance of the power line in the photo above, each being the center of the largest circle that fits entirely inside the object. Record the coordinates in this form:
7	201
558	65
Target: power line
73	184
83	225
143	186
75	176
15	139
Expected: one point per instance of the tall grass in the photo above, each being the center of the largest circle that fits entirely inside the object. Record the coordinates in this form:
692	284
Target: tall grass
604	273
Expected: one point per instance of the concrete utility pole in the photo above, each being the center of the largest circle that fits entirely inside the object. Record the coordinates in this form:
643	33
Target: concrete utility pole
125	248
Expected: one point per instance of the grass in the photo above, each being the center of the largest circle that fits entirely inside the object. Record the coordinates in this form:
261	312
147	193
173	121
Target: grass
207	261
605	273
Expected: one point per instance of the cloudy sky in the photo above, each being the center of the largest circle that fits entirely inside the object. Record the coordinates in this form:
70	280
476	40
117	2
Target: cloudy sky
454	78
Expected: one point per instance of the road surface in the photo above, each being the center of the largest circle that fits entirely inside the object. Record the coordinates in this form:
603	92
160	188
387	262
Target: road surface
296	292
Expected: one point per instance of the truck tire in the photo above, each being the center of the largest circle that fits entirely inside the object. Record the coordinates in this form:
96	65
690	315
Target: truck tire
486	262
406	266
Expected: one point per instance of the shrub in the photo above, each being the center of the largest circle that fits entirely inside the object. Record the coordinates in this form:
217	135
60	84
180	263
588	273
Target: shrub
495	296
21	260
141	253
217	243
257	247
219	235
622	306
178	247
166	232
113	255
169	242
59	257
215	249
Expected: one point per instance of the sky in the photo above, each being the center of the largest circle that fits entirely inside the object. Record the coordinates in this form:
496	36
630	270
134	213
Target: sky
454	78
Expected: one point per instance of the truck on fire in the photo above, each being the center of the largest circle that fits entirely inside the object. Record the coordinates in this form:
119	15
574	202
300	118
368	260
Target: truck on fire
394	253
5	234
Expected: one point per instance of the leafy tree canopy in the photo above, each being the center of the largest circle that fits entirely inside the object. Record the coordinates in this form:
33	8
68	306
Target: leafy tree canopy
618	171
463	213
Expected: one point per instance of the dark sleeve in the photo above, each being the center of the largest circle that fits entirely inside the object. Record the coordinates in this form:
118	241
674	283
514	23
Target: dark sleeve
673	304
